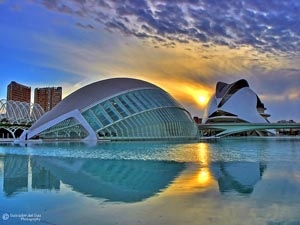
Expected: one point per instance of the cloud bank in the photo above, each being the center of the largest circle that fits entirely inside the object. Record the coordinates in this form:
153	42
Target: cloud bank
183	46
267	26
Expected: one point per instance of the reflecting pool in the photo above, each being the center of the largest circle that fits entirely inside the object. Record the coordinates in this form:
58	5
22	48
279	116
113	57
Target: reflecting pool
242	181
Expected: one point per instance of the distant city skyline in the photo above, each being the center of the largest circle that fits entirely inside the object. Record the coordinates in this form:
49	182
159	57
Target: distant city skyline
184	47
46	97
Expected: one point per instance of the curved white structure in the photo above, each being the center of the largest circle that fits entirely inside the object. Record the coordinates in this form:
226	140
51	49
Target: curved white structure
116	109
235	103
21	113
16	116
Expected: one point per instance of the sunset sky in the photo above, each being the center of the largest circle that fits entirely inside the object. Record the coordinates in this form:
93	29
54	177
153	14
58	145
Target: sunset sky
183	46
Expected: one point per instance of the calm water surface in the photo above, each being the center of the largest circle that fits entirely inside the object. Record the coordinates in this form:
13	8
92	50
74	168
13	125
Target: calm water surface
223	182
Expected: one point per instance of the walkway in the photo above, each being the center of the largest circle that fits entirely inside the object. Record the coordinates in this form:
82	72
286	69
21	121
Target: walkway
232	128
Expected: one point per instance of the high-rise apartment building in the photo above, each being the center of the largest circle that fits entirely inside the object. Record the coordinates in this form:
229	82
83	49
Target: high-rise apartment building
18	92
47	97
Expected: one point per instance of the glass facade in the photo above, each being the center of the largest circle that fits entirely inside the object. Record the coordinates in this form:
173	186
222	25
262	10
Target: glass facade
67	129
134	115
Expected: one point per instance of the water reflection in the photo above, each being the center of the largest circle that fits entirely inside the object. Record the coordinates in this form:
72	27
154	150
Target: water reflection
240	177
133	179
229	176
15	174
204	177
191	182
113	180
42	177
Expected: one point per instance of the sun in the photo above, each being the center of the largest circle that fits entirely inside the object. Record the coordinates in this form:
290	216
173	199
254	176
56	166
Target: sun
202	99
196	95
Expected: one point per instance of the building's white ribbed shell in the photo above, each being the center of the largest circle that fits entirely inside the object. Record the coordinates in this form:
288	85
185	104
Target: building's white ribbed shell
91	94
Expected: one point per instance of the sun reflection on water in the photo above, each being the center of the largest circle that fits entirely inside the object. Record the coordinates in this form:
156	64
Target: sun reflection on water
203	154
204	177
197	177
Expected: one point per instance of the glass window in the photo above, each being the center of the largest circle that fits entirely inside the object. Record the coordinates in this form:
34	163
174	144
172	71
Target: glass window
92	119
127	103
120	108
134	102
110	110
123	128
141	100
147	96
147	113
101	115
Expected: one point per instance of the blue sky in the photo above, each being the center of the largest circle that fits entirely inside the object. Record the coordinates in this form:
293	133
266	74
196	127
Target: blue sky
183	46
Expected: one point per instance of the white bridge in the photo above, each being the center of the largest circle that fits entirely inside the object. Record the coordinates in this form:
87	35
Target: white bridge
233	128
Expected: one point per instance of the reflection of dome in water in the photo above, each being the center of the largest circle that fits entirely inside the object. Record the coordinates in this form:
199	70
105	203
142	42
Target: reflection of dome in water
116	109
114	180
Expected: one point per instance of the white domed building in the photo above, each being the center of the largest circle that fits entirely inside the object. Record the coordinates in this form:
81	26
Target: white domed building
116	109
